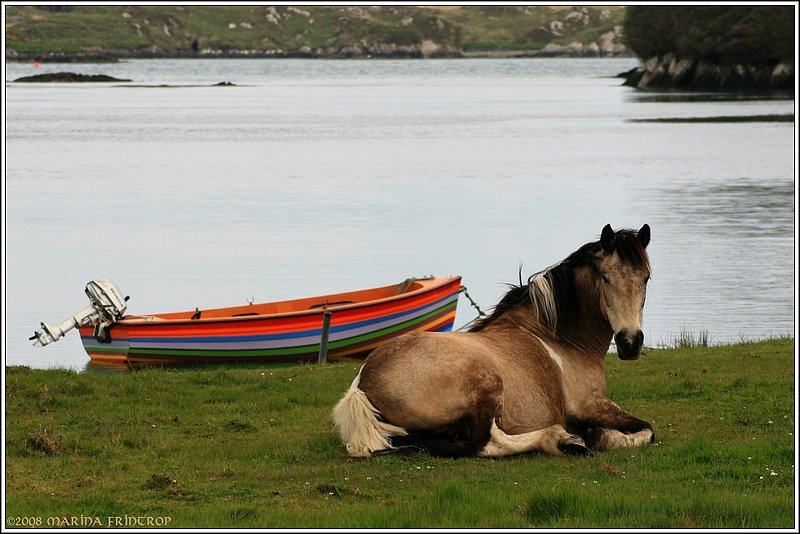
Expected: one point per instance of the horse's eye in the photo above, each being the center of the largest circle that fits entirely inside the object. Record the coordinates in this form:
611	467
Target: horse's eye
606	280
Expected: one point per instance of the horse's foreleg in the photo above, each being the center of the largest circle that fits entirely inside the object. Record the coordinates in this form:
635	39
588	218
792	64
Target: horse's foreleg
609	438
611	427
553	440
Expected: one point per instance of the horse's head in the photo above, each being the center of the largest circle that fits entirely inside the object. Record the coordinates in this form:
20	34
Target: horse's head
623	270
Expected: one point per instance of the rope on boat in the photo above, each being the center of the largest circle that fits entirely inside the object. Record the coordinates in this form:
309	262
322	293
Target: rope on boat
481	315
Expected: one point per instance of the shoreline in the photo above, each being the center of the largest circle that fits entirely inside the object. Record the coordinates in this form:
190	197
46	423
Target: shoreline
116	57
685	341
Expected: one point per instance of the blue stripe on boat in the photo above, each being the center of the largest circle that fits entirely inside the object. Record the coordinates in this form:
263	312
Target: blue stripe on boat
304	333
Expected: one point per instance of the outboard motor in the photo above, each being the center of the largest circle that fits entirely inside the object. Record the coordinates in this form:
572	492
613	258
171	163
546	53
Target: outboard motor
107	306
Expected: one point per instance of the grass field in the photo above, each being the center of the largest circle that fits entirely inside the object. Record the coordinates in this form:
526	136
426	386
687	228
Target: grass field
254	446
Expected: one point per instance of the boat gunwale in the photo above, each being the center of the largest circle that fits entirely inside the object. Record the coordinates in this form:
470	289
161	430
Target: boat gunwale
428	285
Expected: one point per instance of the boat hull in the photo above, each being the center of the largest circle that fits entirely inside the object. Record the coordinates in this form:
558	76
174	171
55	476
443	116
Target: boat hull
356	329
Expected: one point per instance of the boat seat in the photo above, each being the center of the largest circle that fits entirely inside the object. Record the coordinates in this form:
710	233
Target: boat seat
404	286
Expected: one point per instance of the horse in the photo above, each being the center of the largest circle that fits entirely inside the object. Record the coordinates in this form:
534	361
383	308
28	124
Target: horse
529	377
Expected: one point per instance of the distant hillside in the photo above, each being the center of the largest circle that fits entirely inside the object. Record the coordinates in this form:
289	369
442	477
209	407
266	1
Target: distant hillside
110	32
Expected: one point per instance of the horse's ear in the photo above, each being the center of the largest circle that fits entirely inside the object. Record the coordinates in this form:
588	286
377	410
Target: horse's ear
644	235
607	238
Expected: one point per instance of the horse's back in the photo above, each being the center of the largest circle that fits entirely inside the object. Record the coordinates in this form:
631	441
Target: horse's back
424	380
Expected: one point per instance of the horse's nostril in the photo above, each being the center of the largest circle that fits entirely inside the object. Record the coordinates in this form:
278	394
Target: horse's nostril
626	337
629	343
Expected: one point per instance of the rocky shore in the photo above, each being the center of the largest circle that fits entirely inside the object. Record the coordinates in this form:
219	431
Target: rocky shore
671	72
423	50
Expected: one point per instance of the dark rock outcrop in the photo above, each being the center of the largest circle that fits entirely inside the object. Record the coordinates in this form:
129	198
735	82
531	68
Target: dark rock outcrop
61	77
671	72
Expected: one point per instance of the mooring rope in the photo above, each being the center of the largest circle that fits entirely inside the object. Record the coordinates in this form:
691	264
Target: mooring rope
474	304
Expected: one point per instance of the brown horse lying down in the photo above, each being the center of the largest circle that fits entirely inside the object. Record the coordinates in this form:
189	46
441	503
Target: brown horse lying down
529	377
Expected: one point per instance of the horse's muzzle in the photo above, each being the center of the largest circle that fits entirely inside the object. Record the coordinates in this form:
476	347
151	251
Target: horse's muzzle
629	344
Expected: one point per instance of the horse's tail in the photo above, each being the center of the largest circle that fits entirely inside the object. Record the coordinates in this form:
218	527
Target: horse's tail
359	425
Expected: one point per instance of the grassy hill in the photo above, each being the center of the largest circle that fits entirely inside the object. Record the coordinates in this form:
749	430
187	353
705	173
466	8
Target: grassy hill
310	31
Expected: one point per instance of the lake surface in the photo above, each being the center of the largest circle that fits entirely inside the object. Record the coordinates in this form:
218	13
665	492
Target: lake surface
309	177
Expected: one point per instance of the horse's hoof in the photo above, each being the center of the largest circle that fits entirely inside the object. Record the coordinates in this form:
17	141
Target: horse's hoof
593	437
574	447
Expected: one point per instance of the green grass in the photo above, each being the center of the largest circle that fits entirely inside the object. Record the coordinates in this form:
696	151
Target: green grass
254	446
687	339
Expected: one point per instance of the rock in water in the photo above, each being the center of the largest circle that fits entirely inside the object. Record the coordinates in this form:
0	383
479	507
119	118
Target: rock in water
69	77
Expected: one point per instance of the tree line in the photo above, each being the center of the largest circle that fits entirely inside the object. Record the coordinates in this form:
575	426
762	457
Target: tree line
720	34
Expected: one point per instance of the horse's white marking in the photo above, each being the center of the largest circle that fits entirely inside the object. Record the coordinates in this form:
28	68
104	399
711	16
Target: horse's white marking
358	423
544	440
553	354
614	439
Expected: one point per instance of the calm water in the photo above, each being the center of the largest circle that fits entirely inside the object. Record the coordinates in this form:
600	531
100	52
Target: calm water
310	177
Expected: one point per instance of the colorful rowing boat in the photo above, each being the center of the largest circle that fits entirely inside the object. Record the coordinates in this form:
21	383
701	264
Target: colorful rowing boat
284	331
